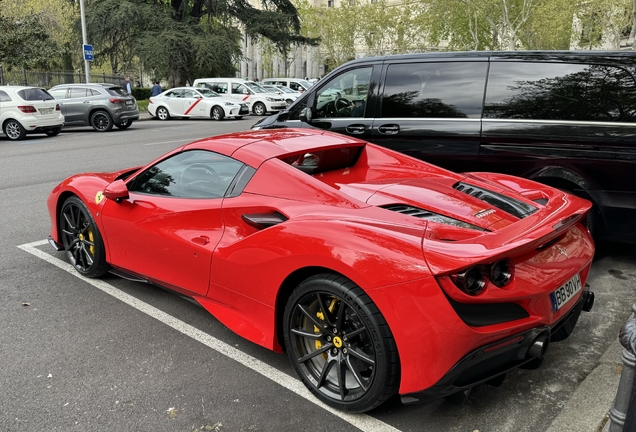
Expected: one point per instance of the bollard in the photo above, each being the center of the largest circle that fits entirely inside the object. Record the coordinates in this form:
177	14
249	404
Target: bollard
623	413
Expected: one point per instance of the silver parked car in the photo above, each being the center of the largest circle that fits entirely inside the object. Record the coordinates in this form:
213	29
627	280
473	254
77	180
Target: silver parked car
101	106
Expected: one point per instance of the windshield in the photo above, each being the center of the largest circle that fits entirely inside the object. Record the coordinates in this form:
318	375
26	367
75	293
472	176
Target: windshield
286	89
304	83
117	91
255	87
207	93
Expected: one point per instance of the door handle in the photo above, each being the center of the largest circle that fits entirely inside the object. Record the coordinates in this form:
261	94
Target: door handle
86	102
355	129
389	129
202	240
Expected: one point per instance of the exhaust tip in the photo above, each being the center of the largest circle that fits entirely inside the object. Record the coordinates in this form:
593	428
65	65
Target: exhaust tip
588	303
539	347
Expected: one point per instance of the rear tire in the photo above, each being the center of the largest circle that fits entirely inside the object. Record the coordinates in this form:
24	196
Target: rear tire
101	121
162	113
13	130
54	132
340	344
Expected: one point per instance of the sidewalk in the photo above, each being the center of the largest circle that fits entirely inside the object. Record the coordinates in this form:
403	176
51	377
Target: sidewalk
587	409
143	115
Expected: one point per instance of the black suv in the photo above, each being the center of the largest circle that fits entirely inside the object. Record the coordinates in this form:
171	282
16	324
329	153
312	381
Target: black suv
566	119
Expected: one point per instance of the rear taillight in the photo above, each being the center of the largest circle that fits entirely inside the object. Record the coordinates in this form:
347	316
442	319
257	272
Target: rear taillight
150	101
474	280
27	109
502	272
116	100
57	107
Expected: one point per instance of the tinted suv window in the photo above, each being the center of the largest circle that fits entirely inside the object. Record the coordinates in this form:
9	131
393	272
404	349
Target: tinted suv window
117	91
345	95
438	90
557	91
4	97
33	94
58	93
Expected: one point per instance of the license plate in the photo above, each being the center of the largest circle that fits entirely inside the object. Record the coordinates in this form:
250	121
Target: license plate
244	111
46	110
565	293
129	102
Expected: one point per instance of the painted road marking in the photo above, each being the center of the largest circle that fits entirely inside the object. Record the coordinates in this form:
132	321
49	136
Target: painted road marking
361	421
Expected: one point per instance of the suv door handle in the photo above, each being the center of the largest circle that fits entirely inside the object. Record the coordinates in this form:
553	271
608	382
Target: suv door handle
389	129
355	129
86	102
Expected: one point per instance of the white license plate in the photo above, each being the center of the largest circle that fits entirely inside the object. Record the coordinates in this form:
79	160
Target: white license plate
46	110
129	102
565	293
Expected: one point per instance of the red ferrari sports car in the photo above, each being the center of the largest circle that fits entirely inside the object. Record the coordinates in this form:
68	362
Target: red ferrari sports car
377	273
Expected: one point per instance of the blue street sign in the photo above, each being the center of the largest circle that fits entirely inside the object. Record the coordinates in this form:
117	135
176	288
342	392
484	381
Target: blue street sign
88	52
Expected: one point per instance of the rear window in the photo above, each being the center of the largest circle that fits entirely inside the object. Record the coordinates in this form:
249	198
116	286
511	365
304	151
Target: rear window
34	94
320	161
117	91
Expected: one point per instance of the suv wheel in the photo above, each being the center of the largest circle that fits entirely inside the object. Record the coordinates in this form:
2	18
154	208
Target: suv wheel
101	121
125	124
14	130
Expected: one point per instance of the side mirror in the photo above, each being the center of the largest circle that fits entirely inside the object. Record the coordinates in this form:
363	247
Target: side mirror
116	191
198	97
305	115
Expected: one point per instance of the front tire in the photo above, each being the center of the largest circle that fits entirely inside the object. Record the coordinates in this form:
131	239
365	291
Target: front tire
163	114
101	121
217	113
340	344
14	130
81	239
260	109
125	124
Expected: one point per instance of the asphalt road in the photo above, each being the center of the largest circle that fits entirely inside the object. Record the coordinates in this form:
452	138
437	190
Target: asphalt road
117	355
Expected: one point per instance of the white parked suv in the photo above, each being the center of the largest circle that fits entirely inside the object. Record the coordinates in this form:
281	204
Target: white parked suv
26	110
258	100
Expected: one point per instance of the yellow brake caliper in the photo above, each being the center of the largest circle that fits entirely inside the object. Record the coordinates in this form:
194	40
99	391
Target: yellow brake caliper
92	240
321	316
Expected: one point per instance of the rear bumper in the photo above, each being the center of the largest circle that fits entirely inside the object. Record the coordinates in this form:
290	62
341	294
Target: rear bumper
495	359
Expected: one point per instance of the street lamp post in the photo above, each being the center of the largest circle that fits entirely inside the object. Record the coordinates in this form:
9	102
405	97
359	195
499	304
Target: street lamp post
86	64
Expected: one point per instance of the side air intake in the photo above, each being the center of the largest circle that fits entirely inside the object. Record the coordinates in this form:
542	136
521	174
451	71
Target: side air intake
428	215
510	205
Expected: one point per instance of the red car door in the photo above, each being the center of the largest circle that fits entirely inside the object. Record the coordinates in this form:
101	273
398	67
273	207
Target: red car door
171	222
166	239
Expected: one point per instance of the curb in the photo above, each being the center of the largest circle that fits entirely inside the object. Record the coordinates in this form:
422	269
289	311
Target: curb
587	409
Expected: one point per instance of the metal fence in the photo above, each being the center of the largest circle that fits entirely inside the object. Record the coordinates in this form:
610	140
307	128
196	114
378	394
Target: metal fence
51	78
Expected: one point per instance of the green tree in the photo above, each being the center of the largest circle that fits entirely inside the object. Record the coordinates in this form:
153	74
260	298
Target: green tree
27	43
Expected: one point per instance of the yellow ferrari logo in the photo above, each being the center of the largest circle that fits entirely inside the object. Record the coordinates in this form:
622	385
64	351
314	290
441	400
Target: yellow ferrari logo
337	342
99	197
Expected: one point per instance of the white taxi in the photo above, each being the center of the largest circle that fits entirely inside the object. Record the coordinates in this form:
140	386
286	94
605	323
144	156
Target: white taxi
195	102
27	110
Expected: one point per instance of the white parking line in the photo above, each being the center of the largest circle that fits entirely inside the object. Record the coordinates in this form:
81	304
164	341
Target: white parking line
361	421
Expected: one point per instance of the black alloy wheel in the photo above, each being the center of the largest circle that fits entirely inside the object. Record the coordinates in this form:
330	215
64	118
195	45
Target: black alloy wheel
101	121
81	239
340	344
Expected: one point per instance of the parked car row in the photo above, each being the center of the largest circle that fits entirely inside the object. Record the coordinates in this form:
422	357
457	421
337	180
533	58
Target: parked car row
27	110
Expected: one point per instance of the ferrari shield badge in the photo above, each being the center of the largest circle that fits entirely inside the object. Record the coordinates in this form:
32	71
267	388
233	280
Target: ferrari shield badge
99	197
